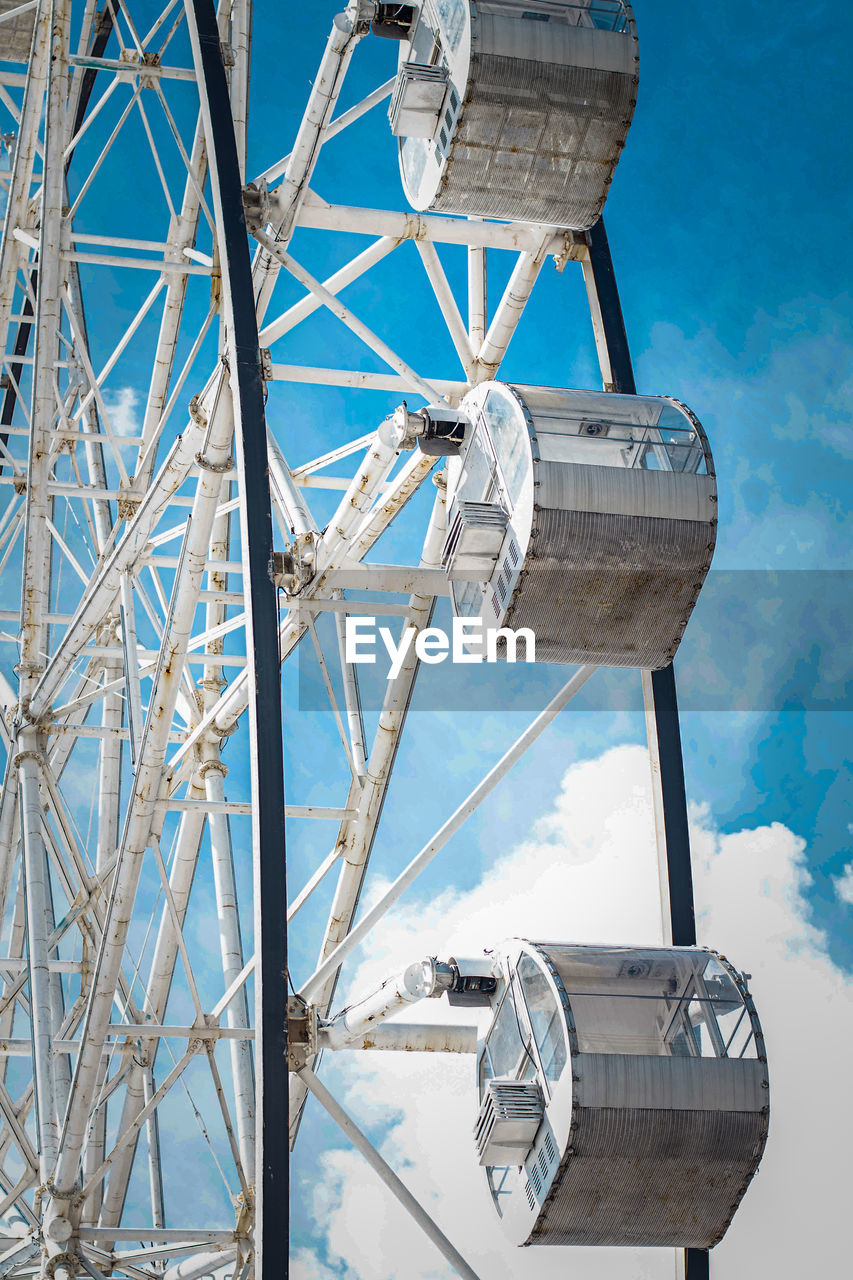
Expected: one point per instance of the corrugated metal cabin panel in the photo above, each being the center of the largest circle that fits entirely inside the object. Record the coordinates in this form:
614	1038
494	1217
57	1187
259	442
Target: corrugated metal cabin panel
536	141
629	1182
16	35
685	1084
669	495
593	579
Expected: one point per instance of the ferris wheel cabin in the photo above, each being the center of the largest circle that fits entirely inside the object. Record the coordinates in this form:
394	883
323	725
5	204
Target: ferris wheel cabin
517	110
623	1095
588	517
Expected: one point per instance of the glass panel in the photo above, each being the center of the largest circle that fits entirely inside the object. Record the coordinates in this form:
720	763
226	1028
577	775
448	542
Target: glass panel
654	436
508	431
467	599
606	15
546	1018
452	16
740	1042
477	482
425	43
505	1046
614	1023
413	152
682	1004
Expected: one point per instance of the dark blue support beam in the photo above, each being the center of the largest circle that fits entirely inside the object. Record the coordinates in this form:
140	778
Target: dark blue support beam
664	720
271	1175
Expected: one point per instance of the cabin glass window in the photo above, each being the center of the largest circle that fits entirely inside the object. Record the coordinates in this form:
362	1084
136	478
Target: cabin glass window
546	1018
452	15
478	482
506	1053
508	431
676	1004
413	152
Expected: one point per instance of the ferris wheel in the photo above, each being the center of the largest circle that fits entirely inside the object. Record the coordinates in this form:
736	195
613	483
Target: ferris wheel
177	547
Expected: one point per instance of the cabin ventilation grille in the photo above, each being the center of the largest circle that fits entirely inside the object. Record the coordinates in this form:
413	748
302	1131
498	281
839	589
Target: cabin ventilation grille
510	1114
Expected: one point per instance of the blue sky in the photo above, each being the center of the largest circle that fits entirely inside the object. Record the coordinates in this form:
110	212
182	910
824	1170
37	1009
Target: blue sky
727	221
734	295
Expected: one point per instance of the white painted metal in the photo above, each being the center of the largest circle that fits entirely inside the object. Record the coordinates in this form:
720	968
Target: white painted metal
124	869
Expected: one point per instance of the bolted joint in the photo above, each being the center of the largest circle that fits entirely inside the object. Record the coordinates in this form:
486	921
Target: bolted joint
284	570
256	204
197	411
69	1262
212	766
301	1032
218	468
128	503
291	569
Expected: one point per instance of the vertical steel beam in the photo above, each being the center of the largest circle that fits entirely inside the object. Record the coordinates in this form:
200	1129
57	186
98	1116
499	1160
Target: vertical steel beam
243	354
658	686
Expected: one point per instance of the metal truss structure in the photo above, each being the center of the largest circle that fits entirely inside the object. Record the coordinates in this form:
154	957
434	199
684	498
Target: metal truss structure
154	615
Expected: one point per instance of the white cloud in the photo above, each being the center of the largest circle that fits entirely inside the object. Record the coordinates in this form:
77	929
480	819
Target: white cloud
844	885
122	406
588	873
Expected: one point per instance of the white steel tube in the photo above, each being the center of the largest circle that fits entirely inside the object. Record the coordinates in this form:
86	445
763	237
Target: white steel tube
334	284
355	838
416	982
346	316
379	458
240	34
9	830
509	312
18	207
200	1264
517	236
404	1037
477	295
38	910
231	947
131	665
318	112
441	837
447	303
162	969
182	231
363	1144
352	701
155	1175
450	390
290	499
148	780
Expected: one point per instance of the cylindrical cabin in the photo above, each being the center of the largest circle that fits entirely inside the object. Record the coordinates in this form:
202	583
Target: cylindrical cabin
515	110
624	1096
588	517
